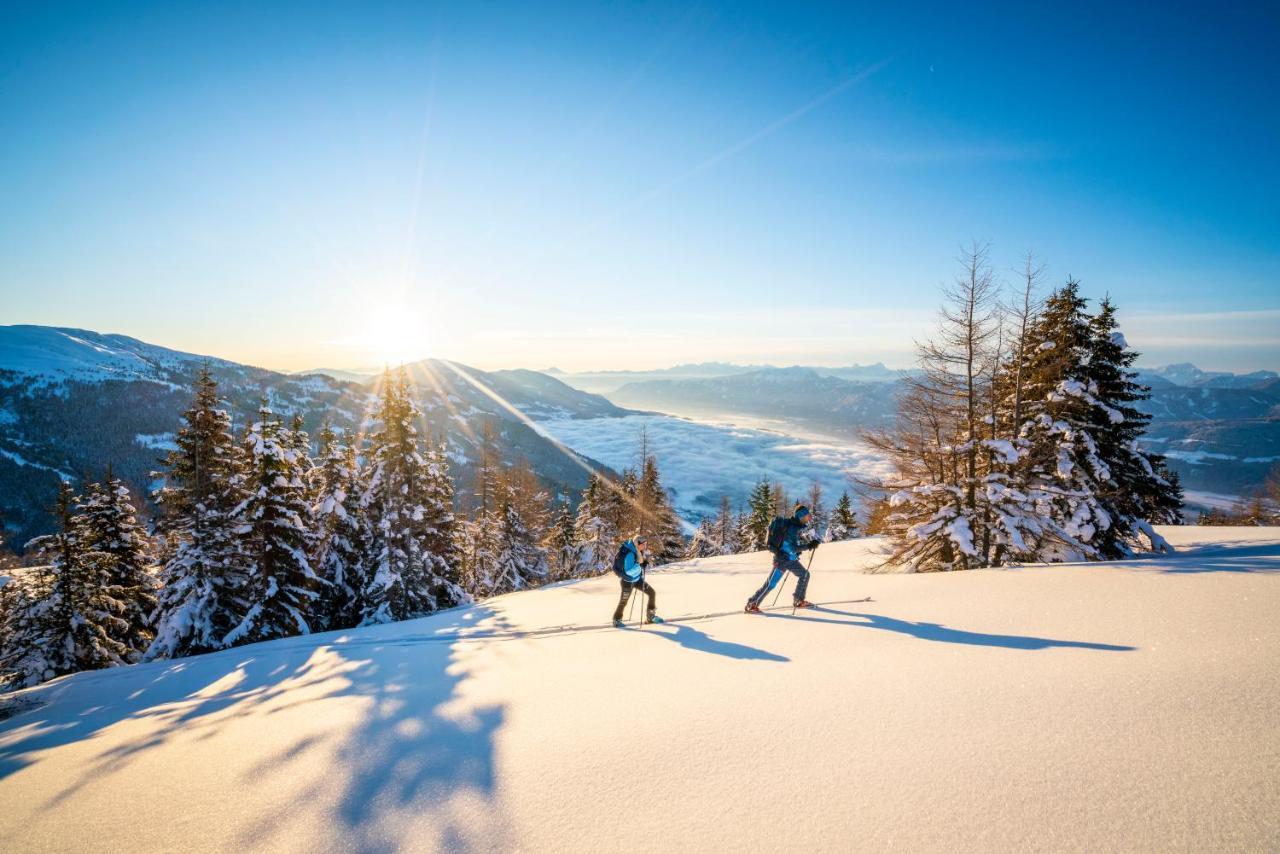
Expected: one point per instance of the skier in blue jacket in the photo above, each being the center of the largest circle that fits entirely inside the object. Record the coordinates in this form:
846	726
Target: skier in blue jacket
784	542
629	566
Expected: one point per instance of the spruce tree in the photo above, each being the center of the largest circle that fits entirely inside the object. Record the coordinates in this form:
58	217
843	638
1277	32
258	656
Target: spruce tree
704	542
281	585
341	544
403	500
1141	491
202	579
843	524
114	538
298	440
760	515
480	545
522	562
68	619
727	533
564	555
1061	469
595	534
503	554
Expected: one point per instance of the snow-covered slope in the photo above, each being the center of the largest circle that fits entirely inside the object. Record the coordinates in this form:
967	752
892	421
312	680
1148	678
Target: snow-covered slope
1071	708
55	353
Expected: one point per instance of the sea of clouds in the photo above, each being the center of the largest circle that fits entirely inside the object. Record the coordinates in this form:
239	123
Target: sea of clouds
700	461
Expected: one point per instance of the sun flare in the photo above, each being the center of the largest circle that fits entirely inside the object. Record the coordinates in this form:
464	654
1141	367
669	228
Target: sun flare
393	335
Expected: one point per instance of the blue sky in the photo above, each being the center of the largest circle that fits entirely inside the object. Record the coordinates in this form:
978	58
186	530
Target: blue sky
630	185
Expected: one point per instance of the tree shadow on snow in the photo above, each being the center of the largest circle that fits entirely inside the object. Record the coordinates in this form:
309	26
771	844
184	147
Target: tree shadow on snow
1222	557
943	634
413	748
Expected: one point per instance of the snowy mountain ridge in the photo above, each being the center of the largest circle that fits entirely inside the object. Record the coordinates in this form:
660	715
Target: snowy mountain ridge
1032	696
72	402
58	353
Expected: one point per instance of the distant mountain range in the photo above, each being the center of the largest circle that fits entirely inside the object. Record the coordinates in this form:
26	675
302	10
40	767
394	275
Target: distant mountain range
1189	376
605	382
73	401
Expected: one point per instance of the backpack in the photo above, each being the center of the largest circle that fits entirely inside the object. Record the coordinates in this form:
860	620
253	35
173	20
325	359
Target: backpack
777	531
620	561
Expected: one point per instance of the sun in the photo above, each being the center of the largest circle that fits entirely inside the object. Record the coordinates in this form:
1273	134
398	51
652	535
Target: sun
393	335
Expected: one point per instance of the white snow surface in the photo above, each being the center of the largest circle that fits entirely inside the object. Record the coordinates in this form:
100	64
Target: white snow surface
1100	707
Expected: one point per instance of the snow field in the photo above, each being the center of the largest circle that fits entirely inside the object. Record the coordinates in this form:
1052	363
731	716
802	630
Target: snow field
1100	707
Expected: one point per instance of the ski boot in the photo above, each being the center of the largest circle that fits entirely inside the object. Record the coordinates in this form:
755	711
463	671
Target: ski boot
618	624
655	619
752	608
802	603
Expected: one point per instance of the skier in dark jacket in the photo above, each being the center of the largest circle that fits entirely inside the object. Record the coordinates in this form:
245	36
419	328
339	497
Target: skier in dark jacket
784	542
629	566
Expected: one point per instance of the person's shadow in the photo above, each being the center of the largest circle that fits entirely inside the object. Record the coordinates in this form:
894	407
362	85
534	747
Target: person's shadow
690	638
943	634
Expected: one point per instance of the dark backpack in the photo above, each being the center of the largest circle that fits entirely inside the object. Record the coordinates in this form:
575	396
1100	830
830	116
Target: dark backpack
620	561
777	531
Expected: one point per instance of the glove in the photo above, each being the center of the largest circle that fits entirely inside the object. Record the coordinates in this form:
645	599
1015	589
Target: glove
812	544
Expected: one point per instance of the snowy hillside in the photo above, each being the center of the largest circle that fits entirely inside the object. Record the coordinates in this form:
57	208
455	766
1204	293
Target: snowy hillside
1075	708
74	401
49	353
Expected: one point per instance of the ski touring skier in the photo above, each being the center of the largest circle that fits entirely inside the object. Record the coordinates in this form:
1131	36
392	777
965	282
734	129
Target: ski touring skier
784	542
629	566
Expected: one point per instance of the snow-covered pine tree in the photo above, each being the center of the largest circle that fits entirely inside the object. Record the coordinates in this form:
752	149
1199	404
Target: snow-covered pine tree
298	440
114	539
444	575
402	503
703	542
843	524
341	544
522	562
275	530
742	530
760	513
503	553
655	518
561	545
596	536
727	529
1142	490
67	622
202	578
479	545
1060	469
